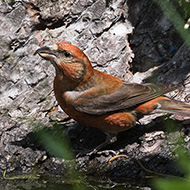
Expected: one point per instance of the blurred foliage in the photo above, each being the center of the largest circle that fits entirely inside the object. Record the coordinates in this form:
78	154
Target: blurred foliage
176	183
178	12
56	143
182	7
182	157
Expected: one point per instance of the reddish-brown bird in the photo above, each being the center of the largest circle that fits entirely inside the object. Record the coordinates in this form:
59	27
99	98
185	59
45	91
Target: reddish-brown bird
99	100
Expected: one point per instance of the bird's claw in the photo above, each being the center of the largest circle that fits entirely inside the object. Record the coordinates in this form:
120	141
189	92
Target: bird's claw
95	151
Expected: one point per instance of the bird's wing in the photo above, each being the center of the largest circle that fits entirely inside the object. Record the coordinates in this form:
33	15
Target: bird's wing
125	97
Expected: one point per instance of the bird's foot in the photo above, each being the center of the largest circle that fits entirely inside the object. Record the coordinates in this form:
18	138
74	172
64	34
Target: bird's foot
95	151
107	152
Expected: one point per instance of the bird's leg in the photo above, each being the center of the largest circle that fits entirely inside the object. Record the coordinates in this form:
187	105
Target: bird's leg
110	138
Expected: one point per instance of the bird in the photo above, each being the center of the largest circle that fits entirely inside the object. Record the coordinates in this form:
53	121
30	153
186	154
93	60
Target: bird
97	99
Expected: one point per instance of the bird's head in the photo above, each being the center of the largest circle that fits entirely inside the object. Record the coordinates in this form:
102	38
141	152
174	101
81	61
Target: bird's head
69	61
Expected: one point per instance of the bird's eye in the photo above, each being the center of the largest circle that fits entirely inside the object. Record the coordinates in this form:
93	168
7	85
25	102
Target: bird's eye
67	54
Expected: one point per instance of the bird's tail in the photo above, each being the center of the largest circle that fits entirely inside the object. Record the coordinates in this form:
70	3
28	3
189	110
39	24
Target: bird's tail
173	107
164	104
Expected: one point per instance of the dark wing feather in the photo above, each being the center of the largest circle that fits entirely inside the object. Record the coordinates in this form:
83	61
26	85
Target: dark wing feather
128	95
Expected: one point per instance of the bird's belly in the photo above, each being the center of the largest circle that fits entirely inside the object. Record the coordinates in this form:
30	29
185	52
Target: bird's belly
110	122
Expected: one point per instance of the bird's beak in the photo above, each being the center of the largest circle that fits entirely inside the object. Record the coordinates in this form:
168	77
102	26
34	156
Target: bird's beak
48	53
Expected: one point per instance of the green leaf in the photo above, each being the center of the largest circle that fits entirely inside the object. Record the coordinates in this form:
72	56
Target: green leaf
172	184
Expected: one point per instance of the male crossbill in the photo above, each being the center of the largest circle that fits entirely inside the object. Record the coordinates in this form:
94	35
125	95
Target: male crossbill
99	100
